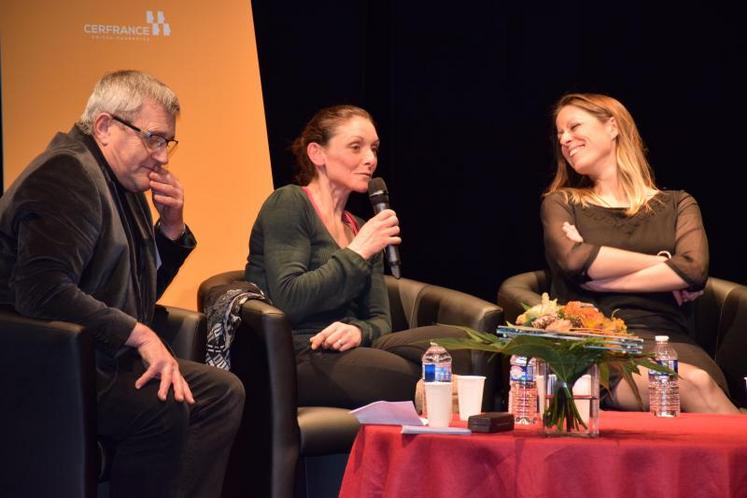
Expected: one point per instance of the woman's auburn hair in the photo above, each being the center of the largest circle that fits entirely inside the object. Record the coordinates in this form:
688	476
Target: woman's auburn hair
633	170
320	129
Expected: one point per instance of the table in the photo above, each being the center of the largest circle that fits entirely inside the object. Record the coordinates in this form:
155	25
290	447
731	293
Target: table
636	455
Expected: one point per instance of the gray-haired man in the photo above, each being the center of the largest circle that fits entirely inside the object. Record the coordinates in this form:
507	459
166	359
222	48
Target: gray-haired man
77	243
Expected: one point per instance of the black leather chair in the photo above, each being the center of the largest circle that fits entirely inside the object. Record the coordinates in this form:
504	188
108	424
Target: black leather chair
48	415
284	450
720	321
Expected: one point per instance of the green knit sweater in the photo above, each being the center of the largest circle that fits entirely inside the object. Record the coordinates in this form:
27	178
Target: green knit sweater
305	273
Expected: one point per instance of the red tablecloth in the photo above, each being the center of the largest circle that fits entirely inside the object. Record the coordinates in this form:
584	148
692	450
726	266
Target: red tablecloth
636	455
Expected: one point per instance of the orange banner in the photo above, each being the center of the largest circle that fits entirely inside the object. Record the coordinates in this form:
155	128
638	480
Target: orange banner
52	54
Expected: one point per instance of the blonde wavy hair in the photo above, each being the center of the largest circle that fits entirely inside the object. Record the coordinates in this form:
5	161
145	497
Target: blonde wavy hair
633	170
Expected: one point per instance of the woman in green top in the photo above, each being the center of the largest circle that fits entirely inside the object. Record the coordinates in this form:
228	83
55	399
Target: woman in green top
324	268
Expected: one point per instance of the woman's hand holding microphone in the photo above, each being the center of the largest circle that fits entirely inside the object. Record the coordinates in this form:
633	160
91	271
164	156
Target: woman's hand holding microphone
380	231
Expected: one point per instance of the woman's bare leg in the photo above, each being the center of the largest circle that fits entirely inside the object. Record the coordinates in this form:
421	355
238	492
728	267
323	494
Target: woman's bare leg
698	392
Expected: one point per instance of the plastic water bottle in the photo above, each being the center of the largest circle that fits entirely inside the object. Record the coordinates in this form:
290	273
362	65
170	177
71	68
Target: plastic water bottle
522	396
663	389
436	364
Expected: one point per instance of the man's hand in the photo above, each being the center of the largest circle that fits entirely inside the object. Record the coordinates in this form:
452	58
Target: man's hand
168	198
159	363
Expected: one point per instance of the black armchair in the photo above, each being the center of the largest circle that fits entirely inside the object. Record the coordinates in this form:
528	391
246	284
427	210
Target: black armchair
284	450
720	321
49	444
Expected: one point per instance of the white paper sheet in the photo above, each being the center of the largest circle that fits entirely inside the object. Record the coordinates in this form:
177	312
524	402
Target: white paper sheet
423	429
388	413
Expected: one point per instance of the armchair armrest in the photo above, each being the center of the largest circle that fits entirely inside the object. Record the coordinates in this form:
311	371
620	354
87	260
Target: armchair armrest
262	357
732	343
450	307
708	312
49	413
524	288
184	330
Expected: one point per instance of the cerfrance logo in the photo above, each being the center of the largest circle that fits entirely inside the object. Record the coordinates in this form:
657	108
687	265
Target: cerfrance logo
156	26
158	23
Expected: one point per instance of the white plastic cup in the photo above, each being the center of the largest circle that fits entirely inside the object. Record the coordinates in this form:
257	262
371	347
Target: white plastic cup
438	403
469	392
582	387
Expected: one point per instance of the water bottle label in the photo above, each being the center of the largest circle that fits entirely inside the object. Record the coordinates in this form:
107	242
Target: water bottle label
429	372
522	373
443	374
671	364
661	376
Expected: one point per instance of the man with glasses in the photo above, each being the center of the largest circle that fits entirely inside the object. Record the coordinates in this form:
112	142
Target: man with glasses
77	243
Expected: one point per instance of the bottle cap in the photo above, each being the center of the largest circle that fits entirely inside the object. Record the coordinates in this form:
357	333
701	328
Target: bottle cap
662	338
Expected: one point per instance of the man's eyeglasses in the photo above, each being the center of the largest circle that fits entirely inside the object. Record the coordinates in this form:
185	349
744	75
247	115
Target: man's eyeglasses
152	141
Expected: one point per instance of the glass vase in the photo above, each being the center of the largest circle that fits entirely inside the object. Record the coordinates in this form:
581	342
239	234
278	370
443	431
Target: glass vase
569	410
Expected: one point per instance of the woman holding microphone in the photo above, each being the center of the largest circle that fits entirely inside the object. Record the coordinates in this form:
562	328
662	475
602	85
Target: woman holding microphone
324	268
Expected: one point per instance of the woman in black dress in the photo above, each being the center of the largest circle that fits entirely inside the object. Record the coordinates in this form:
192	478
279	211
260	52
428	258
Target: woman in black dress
614	239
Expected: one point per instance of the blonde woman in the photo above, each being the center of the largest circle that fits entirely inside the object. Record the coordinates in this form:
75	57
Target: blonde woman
614	239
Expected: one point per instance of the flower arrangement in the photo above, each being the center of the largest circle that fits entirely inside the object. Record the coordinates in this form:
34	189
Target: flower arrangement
591	345
574	316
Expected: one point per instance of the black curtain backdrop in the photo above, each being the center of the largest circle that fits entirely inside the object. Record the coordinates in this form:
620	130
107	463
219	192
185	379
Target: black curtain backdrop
462	94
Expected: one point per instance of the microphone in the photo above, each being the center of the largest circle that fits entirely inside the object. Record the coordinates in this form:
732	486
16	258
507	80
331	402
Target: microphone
379	196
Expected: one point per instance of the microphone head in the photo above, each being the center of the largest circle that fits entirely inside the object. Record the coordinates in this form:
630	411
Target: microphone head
377	192
377	186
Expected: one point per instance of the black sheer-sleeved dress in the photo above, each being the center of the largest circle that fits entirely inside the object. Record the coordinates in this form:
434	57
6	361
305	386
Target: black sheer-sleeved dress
672	224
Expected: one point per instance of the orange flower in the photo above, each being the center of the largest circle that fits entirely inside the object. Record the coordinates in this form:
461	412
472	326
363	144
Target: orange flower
586	316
